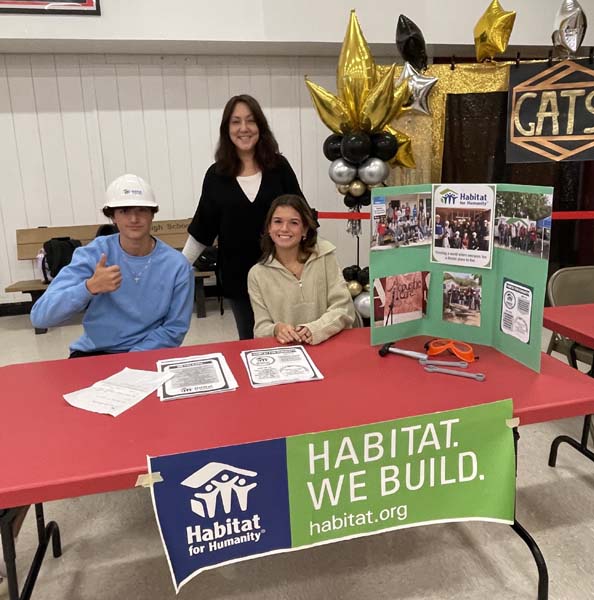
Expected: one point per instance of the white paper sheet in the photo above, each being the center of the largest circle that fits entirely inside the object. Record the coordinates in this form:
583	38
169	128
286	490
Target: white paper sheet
118	393
196	376
276	366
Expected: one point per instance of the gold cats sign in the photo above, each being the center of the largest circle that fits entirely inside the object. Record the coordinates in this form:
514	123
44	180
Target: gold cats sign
551	112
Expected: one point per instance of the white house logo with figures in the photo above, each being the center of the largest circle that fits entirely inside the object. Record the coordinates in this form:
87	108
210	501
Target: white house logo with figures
219	487
448	196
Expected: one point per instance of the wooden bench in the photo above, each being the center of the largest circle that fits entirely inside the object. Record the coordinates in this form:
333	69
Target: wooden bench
29	241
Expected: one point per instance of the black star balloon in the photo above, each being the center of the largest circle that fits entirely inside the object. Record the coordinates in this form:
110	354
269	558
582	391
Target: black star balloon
411	43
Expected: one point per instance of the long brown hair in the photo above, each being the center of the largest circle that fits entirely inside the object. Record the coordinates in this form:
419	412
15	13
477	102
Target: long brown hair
266	151
307	245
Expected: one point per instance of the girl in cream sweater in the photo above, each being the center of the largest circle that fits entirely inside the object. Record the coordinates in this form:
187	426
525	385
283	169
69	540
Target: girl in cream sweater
297	290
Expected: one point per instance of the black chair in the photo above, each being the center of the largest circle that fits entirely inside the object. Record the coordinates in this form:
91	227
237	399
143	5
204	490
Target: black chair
207	261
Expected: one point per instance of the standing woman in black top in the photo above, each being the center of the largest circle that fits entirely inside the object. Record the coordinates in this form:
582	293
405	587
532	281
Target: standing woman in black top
237	191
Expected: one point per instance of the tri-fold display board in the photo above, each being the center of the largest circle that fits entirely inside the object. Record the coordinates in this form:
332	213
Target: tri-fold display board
462	261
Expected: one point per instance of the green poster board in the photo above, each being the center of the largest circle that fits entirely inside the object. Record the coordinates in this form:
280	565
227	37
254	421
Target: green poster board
506	311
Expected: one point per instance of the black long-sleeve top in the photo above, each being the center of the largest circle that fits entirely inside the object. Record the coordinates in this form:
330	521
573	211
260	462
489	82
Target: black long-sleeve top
225	211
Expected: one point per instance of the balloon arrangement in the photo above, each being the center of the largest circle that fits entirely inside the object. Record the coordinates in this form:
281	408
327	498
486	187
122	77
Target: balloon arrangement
364	144
411	45
358	283
493	30
570	28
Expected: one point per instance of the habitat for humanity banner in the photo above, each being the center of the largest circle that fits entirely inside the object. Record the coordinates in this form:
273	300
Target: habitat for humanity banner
238	502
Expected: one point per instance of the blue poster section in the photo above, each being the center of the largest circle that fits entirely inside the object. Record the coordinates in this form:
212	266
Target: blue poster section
223	504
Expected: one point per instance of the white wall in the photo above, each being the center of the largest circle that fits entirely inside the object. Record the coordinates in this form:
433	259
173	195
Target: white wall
282	23
70	124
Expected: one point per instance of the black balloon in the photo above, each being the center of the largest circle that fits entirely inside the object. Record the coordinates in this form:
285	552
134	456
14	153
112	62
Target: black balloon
365	199
363	276
331	146
355	147
351	273
351	201
384	145
411	43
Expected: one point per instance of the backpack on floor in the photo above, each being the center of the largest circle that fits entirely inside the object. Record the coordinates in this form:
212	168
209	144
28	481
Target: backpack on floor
57	253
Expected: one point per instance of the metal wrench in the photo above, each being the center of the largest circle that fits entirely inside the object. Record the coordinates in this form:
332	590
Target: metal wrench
433	369
444	363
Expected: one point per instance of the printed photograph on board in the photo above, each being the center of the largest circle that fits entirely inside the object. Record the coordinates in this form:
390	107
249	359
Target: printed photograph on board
516	310
400	220
400	298
523	223
462	225
462	294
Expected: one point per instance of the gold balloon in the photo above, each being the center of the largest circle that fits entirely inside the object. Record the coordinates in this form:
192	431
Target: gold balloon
491	33
355	75
343	188
332	110
368	96
404	155
355	288
378	108
357	188
366	287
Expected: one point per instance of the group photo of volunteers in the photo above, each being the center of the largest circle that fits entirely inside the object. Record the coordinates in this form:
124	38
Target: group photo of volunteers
327	273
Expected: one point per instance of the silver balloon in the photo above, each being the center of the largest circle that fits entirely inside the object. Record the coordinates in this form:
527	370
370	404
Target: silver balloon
373	171
570	27
419	86
363	304
340	171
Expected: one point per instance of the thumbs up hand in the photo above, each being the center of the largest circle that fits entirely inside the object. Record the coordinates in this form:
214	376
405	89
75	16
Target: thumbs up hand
105	279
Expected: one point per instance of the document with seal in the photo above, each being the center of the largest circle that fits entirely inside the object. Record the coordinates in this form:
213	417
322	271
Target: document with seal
275	366
195	376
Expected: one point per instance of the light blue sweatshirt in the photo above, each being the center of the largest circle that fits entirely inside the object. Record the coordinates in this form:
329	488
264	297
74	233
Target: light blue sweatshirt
151	309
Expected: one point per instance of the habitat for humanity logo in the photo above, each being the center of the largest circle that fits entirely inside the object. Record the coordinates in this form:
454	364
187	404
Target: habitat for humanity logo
448	196
221	489
218	481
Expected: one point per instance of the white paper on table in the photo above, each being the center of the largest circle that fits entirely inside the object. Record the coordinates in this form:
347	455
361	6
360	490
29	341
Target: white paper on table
195	376
276	366
118	393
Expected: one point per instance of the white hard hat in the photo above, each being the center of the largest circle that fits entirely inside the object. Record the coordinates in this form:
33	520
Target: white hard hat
129	190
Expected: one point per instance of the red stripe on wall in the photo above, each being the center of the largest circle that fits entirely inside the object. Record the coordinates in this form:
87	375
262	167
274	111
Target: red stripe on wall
568	215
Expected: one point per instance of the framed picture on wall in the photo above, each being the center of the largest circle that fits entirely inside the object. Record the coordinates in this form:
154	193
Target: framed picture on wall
75	7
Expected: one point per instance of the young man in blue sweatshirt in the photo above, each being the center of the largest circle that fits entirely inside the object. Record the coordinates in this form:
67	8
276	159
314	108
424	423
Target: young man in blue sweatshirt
137	292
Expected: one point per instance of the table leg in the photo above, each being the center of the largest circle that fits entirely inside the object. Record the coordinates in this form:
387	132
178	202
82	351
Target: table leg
200	297
45	533
582	445
35	296
541	565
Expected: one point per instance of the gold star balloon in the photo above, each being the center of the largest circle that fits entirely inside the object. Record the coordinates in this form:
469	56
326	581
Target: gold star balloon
355	74
368	96
492	32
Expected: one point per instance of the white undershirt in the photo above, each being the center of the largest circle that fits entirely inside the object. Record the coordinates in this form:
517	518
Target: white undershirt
193	249
250	185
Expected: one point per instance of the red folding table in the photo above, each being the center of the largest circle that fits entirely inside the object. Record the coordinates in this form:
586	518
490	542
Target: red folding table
576	322
58	451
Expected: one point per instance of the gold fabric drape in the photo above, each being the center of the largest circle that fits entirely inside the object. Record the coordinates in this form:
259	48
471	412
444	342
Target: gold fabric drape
427	132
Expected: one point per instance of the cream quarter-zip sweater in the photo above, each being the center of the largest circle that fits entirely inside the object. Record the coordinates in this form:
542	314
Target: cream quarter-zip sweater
320	300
